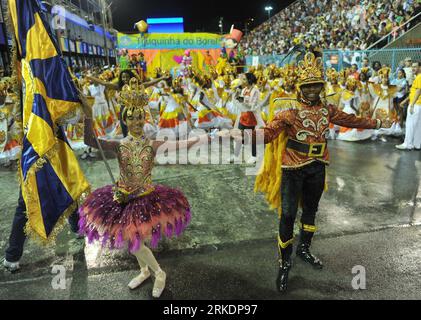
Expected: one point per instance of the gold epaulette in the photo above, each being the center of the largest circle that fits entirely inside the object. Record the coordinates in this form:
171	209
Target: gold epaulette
286	103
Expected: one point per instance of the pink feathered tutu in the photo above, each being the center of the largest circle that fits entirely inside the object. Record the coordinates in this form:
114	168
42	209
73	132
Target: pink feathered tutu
165	212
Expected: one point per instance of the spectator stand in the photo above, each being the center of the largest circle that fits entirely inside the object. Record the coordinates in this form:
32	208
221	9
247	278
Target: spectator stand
393	58
340	59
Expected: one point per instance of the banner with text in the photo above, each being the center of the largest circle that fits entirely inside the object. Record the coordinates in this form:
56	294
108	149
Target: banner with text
157	41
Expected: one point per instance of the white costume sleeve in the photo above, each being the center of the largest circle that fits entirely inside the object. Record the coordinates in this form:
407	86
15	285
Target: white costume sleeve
265	101
250	103
215	91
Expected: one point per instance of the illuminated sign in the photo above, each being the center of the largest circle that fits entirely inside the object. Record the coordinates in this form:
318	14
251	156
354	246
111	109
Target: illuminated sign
159	41
165	25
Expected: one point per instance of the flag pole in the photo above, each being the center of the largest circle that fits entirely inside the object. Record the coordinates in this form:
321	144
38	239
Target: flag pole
101	151
107	165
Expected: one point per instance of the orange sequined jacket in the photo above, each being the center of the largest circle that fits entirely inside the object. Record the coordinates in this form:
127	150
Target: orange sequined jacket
309	125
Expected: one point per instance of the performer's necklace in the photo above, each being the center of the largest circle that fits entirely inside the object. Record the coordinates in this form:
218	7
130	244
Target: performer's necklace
141	137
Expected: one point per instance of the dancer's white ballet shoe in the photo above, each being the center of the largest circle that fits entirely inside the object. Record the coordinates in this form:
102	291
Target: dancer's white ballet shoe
137	282
159	285
234	159
251	160
84	156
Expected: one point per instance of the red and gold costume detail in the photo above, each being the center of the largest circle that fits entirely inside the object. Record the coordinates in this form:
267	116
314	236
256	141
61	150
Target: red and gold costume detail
309	125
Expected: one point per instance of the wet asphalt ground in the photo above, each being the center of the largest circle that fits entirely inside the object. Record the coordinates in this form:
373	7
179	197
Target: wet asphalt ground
370	219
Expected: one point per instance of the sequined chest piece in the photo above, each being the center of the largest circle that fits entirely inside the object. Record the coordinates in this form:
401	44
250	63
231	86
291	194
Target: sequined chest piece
136	159
312	124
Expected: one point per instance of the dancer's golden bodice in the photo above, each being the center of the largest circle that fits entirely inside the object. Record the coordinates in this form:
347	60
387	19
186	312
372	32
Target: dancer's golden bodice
136	160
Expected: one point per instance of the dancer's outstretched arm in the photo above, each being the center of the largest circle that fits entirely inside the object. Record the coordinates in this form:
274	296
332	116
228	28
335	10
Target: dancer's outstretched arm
108	85
352	121
171	146
153	82
275	127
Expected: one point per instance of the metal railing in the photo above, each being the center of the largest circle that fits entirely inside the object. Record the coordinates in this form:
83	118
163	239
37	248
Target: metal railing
391	36
409	39
340	59
393	58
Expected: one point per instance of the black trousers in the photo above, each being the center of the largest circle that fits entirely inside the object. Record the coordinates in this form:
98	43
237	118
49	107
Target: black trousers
307	184
17	236
123	126
402	112
246	139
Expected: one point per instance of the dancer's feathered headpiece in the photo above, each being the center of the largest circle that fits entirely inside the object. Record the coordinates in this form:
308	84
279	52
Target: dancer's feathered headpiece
332	74
289	75
384	72
351	84
133	98
365	70
262	80
310	70
3	88
344	75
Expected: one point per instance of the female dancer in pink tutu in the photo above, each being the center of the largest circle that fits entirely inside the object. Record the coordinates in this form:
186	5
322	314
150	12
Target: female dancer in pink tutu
134	210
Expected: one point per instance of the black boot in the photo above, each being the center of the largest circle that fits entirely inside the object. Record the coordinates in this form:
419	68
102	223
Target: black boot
284	268
283	273
303	250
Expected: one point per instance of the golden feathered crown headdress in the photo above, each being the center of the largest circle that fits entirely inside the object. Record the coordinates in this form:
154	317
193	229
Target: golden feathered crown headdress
384	72
3	88
252	69
227	80
103	76
202	80
189	69
289	71
262	80
82	83
11	83
344	75
351	84
365	70
108	75
229	69
212	71
332	74
177	82
161	73
272	67
289	75
133	96
259	74
273	71
310	70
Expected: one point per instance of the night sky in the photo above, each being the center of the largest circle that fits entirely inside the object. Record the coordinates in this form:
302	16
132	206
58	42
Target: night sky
199	15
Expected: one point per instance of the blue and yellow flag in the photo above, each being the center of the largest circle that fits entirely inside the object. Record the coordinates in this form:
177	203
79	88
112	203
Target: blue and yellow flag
51	179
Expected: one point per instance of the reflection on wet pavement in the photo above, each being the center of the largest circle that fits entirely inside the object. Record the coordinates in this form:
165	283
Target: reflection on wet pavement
372	186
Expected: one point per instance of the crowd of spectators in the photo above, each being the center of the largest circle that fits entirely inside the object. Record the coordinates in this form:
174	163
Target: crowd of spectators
331	24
